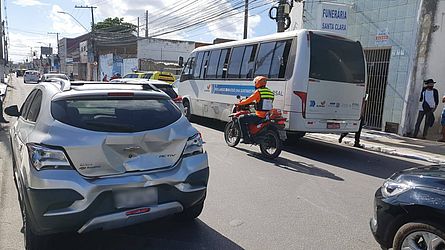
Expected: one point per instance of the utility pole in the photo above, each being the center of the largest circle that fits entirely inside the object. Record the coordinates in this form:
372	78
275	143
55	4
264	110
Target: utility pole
138	28
246	17
282	12
92	13
57	37
93	47
146	23
280	16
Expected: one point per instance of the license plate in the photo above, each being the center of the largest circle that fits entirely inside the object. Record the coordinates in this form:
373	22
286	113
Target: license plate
332	125
130	198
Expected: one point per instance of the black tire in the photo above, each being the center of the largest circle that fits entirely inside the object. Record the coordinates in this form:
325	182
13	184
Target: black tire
31	240
410	228
272	139
192	212
187	112
230	128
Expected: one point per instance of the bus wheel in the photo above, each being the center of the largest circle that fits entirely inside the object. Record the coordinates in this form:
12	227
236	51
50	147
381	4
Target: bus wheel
187	112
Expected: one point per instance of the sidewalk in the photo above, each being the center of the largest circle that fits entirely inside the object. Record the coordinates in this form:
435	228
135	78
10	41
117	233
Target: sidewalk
392	144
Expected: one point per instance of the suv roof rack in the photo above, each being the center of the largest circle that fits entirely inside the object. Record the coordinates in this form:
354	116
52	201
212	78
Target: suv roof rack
62	84
145	85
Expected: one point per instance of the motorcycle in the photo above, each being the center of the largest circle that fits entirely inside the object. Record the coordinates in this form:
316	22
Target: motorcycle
269	134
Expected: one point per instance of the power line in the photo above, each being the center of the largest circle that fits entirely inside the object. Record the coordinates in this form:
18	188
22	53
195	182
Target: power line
203	20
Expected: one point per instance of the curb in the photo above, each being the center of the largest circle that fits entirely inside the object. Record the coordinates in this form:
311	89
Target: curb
382	149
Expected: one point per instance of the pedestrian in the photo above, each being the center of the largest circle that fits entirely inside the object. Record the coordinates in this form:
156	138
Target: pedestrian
360	127
105	79
442	121
429	99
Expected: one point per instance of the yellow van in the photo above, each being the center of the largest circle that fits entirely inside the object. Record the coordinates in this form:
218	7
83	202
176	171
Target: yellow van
154	75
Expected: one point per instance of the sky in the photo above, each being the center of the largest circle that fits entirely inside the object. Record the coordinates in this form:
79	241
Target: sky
29	21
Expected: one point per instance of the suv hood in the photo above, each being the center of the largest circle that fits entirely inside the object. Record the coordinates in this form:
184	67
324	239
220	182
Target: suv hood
96	154
429	176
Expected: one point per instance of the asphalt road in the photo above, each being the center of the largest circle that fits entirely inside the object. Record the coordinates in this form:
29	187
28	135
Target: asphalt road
317	195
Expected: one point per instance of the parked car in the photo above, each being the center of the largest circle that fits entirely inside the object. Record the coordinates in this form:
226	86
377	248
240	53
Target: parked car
31	76
155	84
101	156
152	75
47	77
409	210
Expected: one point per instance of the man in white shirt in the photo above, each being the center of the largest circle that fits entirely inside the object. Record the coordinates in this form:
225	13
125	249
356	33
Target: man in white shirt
429	99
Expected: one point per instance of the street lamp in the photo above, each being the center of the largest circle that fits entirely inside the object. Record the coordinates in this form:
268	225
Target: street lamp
67	13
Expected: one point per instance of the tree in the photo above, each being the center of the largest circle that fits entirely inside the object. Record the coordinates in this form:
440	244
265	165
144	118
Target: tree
115	25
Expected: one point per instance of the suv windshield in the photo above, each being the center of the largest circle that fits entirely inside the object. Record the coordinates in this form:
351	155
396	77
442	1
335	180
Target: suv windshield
336	59
116	115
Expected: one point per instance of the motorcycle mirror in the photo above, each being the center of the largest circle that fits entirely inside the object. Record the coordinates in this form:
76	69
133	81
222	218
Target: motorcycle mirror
238	97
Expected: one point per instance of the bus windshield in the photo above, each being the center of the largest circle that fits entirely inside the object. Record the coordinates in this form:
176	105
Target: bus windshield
335	59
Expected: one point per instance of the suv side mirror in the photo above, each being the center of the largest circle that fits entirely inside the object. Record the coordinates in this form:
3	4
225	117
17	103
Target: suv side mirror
13	111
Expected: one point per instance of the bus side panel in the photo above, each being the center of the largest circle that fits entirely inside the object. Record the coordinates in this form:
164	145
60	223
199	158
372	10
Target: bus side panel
298	83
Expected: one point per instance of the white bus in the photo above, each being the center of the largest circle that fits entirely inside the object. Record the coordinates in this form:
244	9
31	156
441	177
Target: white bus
318	78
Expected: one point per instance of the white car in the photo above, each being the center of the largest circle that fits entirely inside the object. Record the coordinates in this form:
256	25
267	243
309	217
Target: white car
31	76
48	77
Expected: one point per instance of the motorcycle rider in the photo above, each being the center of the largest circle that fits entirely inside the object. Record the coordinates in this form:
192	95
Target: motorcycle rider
263	99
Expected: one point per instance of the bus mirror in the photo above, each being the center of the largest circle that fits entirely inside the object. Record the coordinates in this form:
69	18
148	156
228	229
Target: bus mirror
181	61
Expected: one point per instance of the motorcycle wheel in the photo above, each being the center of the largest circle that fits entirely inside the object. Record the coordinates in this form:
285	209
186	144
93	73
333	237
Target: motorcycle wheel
271	146
232	134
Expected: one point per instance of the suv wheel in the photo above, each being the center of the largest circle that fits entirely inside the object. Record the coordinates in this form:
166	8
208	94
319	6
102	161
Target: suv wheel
419	236
31	240
192	213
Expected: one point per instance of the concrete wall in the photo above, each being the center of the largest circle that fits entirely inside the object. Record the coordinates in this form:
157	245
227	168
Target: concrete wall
429	61
164	50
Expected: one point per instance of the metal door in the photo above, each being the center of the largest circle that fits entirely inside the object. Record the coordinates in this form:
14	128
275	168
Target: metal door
377	66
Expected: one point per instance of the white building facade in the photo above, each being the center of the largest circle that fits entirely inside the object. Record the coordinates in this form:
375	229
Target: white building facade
403	43
164	50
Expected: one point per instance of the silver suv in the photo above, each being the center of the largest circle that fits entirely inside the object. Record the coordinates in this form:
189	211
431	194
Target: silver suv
102	156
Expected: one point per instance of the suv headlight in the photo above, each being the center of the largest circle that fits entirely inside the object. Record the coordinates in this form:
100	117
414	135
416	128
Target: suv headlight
392	188
193	145
43	157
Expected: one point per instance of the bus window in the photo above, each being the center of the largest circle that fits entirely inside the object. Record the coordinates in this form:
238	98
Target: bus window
235	62
279	60
248	62
223	63
264	59
213	64
345	59
205	64
198	64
